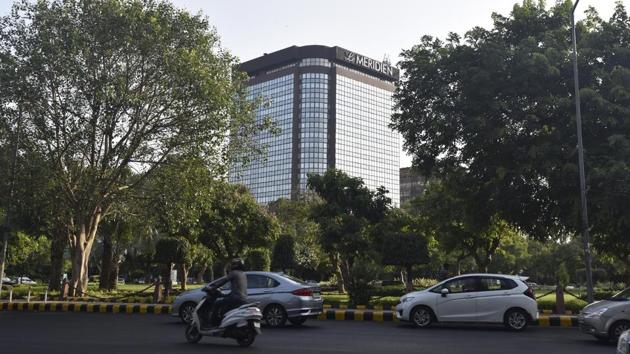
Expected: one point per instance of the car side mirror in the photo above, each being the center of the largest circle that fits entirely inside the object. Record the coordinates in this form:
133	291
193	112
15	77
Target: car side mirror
444	292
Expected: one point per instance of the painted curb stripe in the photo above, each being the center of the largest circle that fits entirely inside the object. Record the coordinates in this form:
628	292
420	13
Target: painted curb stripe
328	314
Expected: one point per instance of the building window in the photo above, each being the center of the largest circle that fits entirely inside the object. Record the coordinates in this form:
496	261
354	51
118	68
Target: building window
315	62
269	177
365	146
313	125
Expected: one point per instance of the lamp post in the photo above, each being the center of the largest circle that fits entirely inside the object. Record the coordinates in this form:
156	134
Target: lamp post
580	147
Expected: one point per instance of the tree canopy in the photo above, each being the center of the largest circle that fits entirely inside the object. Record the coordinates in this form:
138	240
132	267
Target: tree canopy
492	113
104	88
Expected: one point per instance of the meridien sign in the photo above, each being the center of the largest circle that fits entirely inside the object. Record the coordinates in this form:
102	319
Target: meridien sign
369	63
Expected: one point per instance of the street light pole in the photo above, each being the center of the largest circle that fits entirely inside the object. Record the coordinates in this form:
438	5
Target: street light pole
578	116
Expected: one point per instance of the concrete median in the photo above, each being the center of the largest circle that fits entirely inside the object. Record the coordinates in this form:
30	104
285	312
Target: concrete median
163	309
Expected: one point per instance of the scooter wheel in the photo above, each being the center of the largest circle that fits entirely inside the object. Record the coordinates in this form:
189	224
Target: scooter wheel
192	334
246	338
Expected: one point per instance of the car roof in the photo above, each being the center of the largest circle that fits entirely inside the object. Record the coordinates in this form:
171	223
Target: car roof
509	276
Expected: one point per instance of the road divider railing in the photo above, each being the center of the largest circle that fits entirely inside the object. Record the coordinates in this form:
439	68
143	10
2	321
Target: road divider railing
163	309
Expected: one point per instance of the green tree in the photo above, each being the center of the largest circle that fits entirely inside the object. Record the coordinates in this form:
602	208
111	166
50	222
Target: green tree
234	223
283	257
294	218
169	252
28	256
403	239
345	216
108	86
258	260
493	111
202	258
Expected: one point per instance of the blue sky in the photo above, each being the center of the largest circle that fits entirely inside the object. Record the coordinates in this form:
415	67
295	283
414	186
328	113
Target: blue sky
249	28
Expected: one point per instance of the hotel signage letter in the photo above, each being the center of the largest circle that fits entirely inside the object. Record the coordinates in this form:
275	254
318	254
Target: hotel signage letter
363	61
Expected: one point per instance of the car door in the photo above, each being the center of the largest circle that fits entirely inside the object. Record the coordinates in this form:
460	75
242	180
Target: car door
494	298
260	288
459	304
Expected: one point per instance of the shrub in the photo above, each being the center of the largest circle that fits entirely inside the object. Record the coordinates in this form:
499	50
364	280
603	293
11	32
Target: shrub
424	283
360	287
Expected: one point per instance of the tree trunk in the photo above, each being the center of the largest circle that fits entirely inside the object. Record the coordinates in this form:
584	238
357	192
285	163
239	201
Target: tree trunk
57	248
168	283
409	278
113	274
212	272
104	282
82	240
200	274
341	282
184	276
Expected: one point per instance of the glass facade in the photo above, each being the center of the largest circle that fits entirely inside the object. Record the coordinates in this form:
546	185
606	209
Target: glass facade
315	62
365	146
269	178
325	86
313	125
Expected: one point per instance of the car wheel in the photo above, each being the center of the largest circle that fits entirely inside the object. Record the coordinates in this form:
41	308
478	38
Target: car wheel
297	321
422	317
516	320
275	316
617	329
186	312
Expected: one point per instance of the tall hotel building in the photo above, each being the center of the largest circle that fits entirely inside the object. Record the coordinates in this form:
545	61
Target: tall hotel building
333	107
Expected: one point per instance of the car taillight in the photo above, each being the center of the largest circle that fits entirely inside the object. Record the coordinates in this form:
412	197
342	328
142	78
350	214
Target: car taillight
530	293
302	292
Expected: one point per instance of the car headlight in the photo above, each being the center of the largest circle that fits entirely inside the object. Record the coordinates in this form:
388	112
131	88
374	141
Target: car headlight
405	299
597	313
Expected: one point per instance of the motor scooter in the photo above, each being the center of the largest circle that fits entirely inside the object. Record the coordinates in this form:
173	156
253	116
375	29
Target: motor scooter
242	323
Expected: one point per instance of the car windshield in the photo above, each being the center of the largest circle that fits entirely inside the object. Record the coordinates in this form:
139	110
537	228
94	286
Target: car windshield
622	296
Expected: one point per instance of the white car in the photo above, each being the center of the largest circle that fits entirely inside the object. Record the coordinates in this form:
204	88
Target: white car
623	346
25	281
484	298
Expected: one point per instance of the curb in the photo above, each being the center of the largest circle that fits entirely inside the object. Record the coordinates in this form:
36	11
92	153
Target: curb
157	309
389	316
161	309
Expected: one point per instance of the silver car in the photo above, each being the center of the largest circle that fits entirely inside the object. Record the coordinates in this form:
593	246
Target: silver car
607	319
281	298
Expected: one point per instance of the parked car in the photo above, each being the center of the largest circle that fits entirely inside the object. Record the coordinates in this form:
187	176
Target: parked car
484	298
121	280
623	345
24	281
8	281
607	319
280	298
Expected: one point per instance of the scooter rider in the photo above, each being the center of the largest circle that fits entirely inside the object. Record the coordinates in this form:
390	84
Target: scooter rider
238	291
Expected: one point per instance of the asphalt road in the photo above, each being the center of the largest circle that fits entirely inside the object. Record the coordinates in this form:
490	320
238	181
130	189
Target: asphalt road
23	332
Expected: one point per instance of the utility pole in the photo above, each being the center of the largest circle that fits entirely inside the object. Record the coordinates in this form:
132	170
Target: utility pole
8	216
580	147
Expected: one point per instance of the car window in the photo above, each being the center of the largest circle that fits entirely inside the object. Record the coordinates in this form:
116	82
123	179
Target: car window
624	295
255	281
460	285
494	284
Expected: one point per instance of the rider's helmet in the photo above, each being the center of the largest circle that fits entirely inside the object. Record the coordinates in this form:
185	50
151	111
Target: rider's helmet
237	264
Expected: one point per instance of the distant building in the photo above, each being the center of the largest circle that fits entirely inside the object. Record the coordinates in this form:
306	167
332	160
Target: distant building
333	108
411	184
